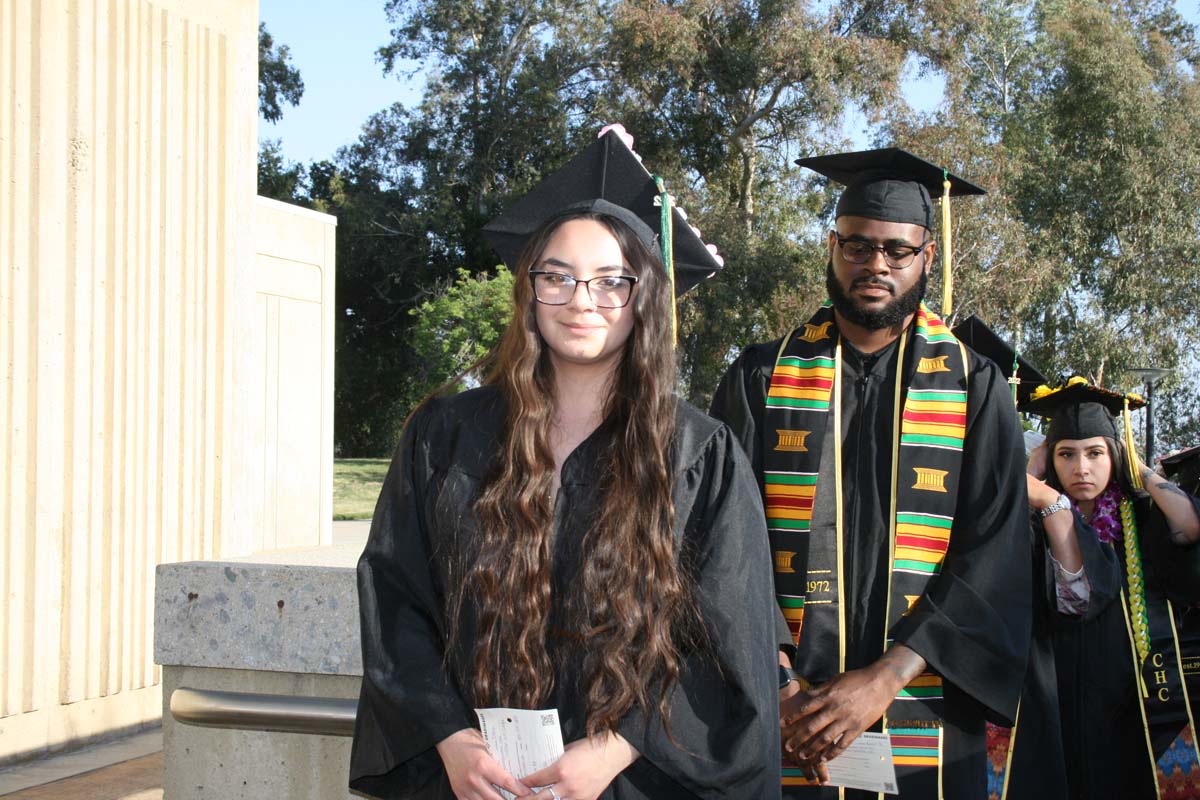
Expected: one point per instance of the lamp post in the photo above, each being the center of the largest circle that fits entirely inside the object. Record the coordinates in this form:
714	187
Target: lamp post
1150	376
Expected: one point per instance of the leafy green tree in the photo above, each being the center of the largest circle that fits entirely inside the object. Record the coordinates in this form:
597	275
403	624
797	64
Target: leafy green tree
740	84
723	95
1121	213
387	265
278	80
279	178
458	327
506	79
1082	117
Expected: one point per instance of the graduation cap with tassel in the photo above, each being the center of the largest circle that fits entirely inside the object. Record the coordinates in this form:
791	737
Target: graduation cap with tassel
893	185
1183	467
608	177
1023	377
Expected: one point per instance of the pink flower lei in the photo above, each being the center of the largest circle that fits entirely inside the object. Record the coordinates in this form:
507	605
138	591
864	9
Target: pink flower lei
1106	517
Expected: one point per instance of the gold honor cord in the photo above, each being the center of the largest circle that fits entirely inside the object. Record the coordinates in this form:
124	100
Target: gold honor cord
666	225
1133	556
837	482
947	251
1141	706
898	411
837	485
1138	616
941	761
898	407
1014	382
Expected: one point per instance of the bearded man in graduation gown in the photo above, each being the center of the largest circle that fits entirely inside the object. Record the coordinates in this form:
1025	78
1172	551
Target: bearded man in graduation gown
892	470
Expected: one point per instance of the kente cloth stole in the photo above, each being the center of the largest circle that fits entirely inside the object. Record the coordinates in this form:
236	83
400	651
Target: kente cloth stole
1165	704
804	403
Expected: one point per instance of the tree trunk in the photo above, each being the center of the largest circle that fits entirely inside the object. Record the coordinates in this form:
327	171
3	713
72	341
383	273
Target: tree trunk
746	187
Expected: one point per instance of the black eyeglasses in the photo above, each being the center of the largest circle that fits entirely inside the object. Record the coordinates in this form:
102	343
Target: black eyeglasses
897	256
606	291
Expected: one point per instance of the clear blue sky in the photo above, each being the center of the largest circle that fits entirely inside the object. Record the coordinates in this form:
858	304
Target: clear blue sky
333	46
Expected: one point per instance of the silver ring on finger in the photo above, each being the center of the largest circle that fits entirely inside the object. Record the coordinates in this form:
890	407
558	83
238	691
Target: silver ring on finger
553	794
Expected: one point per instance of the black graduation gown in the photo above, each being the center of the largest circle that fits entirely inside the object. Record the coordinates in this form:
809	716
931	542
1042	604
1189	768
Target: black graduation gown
1104	740
724	711
1038	768
972	627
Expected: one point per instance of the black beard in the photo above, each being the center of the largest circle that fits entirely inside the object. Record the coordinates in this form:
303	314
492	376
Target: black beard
892	314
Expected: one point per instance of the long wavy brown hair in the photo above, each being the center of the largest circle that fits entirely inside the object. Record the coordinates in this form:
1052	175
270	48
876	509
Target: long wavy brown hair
629	609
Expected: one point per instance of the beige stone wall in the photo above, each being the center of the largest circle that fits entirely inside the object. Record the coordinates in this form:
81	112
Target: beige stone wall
127	158
294	303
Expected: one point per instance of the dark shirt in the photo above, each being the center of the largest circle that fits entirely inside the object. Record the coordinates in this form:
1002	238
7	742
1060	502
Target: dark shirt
868	408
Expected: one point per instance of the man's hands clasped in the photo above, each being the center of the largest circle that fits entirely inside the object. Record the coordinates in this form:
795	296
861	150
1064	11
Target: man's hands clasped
819	724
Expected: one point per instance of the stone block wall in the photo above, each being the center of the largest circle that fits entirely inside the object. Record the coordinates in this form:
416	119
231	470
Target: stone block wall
127	183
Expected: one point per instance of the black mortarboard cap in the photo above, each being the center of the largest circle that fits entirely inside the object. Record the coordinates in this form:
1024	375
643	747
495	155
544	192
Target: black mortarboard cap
607	178
1184	469
1079	410
983	340
889	184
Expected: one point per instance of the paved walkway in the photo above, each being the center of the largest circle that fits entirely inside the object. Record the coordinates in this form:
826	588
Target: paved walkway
351	531
136	779
127	769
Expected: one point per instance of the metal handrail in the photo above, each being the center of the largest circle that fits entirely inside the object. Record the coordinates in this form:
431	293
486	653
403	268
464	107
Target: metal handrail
325	716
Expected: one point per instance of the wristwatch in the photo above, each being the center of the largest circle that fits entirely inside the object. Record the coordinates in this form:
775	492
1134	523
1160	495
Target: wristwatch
786	675
1061	504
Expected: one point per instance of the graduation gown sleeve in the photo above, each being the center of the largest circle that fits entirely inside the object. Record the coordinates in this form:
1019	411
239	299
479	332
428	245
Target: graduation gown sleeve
725	708
1177	567
739	402
972	625
1100	565
740	399
407	703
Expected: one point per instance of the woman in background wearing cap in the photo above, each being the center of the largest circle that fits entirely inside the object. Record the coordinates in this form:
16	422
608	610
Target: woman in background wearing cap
573	536
1120	554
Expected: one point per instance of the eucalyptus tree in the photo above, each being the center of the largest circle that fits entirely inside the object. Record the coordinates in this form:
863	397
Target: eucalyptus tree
724	95
1083	116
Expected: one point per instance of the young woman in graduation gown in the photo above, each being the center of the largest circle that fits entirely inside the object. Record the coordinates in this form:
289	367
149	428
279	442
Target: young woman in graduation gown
573	536
1117	556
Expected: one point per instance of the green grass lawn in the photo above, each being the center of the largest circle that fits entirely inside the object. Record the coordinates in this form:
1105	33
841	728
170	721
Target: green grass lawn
356	484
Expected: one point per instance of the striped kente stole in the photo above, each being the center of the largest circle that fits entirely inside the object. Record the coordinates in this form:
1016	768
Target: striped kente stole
803	403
